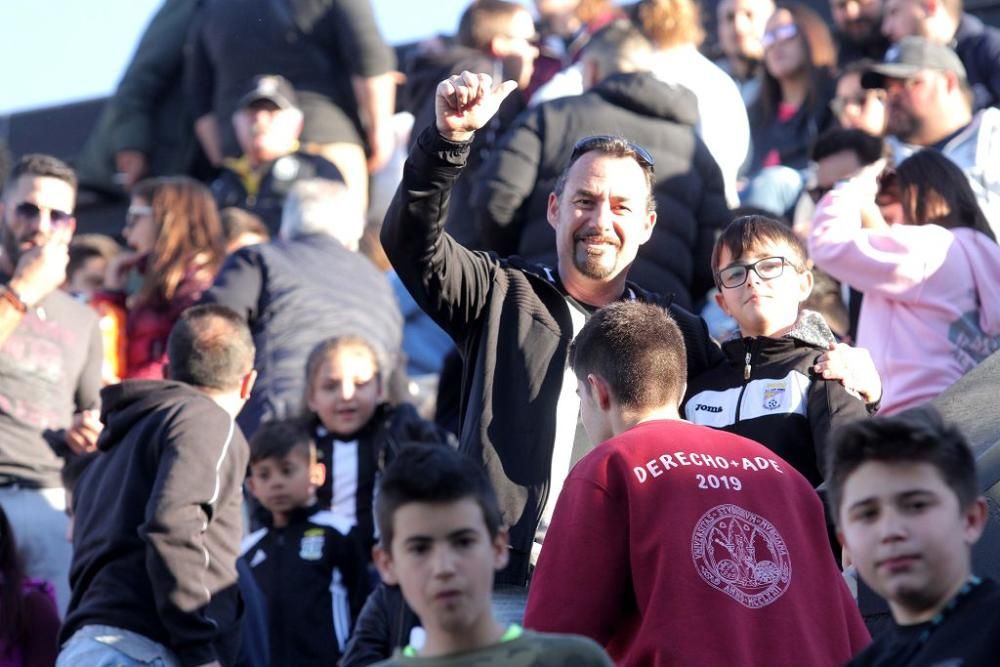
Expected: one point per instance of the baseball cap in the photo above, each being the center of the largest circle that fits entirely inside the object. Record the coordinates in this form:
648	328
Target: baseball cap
907	57
273	88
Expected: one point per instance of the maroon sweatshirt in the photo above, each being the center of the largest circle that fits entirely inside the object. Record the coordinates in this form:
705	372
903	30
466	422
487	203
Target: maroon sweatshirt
676	544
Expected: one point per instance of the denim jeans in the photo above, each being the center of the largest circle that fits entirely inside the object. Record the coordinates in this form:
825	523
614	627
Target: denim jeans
107	646
38	517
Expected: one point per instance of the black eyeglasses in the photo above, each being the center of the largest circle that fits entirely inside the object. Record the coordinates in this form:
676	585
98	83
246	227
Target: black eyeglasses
607	143
30	211
767	268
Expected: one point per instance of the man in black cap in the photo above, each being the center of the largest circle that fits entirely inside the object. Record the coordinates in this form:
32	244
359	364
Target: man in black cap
268	123
929	104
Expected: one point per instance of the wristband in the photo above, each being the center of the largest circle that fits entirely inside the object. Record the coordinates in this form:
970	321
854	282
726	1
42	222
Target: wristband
14	299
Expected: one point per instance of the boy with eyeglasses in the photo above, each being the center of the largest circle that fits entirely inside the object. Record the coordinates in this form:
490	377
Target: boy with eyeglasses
768	389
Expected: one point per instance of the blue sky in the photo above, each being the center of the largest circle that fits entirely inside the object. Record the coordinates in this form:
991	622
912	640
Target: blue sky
63	50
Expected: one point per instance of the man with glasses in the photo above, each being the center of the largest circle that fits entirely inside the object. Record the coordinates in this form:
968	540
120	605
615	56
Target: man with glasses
50	363
513	320
929	105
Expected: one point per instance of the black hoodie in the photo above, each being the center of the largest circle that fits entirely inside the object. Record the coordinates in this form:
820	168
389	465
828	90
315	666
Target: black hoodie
157	522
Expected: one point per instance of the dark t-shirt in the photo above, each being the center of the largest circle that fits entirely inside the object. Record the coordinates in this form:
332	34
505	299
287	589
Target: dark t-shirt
967	635
50	368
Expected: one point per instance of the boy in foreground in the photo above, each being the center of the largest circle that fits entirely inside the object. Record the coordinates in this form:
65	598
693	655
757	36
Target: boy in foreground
904	493
675	544
441	541
767	389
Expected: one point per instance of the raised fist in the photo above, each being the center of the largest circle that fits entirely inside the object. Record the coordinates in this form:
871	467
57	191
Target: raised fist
465	102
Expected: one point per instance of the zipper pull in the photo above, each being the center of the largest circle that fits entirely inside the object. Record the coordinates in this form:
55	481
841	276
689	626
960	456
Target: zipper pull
746	365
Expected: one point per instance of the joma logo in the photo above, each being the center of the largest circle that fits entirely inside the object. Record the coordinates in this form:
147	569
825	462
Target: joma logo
707	408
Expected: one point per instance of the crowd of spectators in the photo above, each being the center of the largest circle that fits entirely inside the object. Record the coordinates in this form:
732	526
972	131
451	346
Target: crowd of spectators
716	254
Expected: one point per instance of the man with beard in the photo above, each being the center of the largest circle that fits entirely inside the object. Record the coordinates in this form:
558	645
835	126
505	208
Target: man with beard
512	320
943	22
929	105
50	365
859	29
741	26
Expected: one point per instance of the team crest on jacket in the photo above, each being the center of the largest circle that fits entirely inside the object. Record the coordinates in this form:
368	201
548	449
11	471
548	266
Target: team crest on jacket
774	395
741	554
311	546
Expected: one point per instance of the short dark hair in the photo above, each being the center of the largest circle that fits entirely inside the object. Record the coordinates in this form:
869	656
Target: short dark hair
749	232
210	347
39	165
638	349
428	473
276	439
483	20
918	435
616	147
237	222
867	148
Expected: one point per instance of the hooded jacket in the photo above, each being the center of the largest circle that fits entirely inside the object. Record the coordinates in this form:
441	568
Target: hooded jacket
931	308
157	522
515	183
767	392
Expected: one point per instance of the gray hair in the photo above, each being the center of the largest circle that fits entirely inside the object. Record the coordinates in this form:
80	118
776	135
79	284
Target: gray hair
322	206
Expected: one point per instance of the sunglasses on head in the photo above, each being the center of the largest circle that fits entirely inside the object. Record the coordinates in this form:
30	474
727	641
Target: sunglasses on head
782	33
603	142
30	211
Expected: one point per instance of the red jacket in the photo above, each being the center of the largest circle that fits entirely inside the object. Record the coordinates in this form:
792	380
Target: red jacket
148	326
675	544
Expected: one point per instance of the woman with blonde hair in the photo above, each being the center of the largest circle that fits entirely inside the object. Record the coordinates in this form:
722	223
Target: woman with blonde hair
175	247
931	285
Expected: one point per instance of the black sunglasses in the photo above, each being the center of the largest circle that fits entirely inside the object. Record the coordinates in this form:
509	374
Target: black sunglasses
30	211
603	142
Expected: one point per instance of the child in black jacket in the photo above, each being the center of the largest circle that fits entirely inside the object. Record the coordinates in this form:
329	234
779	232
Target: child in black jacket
357	433
306	562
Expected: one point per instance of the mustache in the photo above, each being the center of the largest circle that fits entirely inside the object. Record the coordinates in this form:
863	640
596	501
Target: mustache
596	236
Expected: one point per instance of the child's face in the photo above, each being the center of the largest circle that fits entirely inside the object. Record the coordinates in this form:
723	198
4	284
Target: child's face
904	530
283	484
444	560
764	306
346	390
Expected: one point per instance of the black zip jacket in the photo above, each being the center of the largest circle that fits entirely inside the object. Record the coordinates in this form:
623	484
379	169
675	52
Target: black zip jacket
512	324
768	392
384	625
313	577
157	522
378	443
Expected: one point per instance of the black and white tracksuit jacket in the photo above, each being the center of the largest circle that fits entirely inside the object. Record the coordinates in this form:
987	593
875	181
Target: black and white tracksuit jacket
312	574
767	391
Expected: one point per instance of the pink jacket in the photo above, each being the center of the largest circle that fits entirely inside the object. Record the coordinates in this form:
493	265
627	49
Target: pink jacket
931	308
